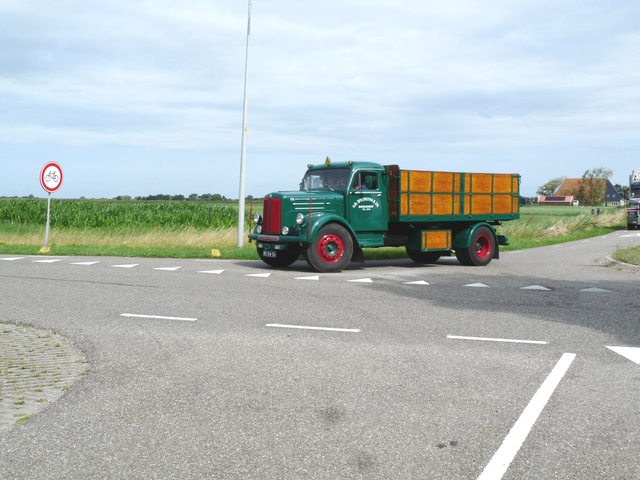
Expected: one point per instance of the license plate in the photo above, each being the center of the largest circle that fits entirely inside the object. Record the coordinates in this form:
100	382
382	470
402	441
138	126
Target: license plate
269	253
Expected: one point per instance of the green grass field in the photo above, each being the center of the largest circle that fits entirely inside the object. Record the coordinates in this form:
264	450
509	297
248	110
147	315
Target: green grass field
182	229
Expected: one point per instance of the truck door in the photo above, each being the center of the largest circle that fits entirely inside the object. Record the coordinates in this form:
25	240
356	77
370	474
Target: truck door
367	198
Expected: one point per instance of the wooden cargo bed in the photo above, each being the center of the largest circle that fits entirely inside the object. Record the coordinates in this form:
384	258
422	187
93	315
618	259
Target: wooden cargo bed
416	196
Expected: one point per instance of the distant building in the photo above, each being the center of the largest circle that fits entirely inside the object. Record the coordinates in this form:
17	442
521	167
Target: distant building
566	200
566	194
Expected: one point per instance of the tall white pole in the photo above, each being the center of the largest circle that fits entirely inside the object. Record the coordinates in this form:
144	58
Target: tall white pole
243	153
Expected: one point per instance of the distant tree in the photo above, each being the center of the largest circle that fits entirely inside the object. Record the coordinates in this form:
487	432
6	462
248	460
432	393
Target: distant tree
622	190
178	197
551	186
593	185
206	197
193	197
216	197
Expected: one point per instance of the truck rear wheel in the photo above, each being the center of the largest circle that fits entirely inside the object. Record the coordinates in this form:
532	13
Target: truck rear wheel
283	258
423	257
331	250
481	249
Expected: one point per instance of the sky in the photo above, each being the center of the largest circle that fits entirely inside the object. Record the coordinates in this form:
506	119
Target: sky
146	97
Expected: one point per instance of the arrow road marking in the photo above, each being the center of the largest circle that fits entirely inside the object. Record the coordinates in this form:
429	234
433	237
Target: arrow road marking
520	430
596	290
85	263
260	275
631	353
126	266
419	282
361	280
215	272
535	287
477	285
168	269
315	277
48	261
12	259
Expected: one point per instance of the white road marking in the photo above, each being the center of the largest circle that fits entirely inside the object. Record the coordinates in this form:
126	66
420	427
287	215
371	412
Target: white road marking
419	282
158	317
482	285
519	432
506	340
260	275
593	289
126	266
315	277
630	353
214	272
535	287
85	263
168	269
301	327
48	261
361	280
12	259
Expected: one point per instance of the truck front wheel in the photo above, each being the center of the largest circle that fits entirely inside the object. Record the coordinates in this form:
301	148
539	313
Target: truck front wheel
481	249
331	250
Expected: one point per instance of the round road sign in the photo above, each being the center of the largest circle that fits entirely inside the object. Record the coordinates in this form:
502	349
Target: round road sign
51	177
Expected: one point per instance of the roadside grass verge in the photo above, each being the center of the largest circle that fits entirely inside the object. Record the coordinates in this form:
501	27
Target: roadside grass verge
627	255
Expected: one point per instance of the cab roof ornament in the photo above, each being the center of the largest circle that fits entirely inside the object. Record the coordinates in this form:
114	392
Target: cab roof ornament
327	162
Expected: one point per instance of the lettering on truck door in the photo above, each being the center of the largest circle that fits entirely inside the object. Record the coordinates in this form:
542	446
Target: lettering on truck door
367	202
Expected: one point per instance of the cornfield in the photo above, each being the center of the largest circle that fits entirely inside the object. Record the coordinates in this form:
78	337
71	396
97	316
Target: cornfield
98	214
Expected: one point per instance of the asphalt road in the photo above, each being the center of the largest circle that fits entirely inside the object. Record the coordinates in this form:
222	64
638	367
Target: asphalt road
401	372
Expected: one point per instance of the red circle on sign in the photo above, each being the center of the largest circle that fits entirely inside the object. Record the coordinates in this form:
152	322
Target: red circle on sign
51	177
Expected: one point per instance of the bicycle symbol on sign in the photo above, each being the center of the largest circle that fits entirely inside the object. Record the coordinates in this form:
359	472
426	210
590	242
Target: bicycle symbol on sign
51	176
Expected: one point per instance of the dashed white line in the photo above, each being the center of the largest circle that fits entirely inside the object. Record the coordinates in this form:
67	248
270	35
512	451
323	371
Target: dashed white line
519	432
48	261
302	327
481	285
214	272
361	280
168	269
158	317
85	263
504	340
13	259
259	275
131	265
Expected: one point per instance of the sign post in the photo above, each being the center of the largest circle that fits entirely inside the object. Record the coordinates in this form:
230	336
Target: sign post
51	180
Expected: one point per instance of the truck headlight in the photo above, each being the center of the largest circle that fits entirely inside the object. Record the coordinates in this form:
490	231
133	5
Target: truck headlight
299	219
258	228
285	230
257	218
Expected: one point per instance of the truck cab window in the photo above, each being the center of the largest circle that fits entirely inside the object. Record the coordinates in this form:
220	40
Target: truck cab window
366	181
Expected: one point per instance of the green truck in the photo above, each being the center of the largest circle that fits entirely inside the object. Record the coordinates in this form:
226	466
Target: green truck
344	207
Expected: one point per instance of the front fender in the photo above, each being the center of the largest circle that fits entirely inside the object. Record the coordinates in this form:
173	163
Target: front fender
320	219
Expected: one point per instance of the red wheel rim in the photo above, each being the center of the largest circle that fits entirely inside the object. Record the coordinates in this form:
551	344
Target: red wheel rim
483	246
330	248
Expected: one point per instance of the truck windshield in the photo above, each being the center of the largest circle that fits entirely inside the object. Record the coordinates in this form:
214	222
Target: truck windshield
330	179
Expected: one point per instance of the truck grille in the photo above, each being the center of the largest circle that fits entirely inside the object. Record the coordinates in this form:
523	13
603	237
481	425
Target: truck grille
272	215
